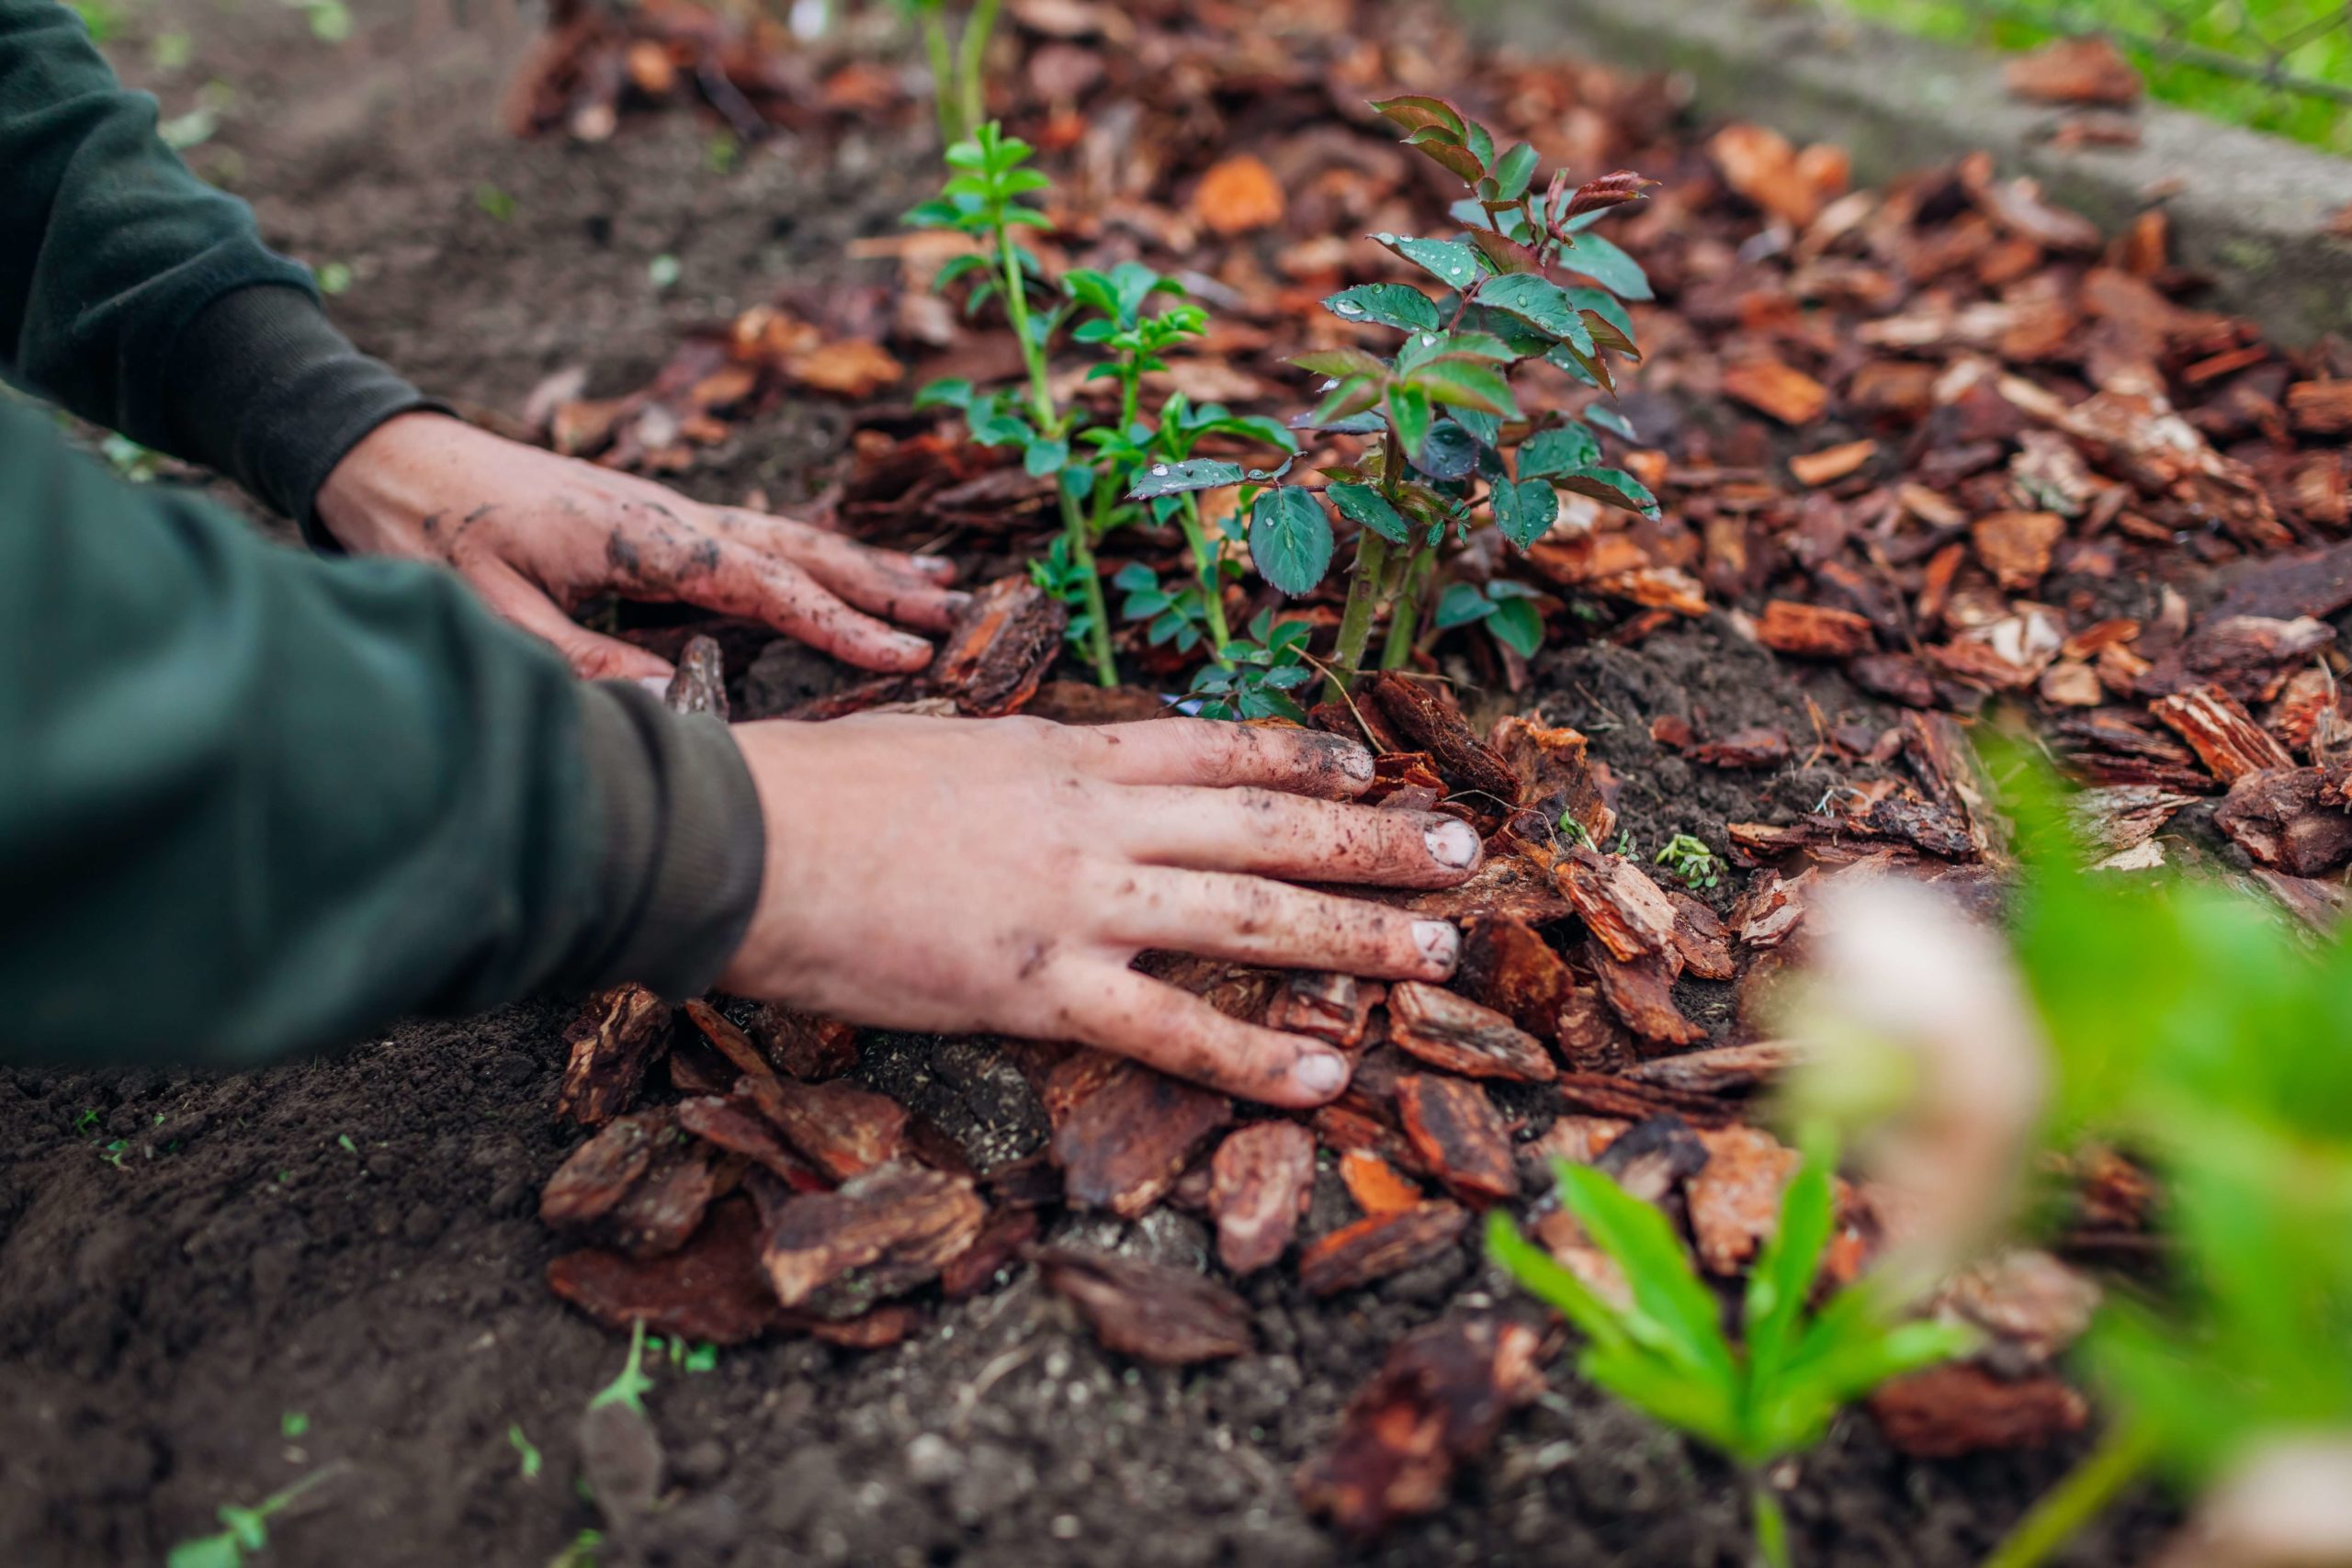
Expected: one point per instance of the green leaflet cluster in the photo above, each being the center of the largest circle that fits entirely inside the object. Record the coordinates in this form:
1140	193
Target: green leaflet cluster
1524	281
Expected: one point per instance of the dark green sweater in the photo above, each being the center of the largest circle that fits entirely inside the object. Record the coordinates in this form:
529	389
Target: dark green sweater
254	802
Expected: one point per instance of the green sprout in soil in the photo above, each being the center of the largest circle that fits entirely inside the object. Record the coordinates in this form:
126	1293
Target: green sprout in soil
112	1153
956	58
685	1358
248	1529
1665	1350
632	1385
293	1424
527	1451
1691	859
343	1141
581	1552
87	1120
1450	439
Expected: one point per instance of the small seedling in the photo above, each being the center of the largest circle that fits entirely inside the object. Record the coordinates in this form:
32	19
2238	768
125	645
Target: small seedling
1691	859
343	1141
1625	845
293	1424
581	1552
1665	1353
334	278
1507	609
1256	674
956	61
248	1529
494	201
112	1153
87	1120
1575	831
632	1385
525	1449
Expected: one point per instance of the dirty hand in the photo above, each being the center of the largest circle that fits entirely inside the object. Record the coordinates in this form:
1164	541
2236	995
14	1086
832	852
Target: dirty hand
536	534
957	875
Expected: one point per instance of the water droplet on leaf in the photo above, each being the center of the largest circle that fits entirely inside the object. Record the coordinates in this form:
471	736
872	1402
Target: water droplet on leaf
1159	471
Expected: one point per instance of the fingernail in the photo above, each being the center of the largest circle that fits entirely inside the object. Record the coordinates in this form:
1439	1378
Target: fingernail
657	685
1451	843
1321	1072
1355	760
932	563
1438	943
959	602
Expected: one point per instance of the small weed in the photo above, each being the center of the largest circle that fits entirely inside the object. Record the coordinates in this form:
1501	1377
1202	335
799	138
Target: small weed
1625	845
1575	831
171	52
334	278
494	202
721	153
631	1387
247	1529
580	1552
293	1424
526	1448
1691	859
87	1120
343	1141
112	1153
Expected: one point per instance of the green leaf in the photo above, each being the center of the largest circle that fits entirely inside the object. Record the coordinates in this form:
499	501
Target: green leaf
1514	172
1251	427
1043	456
1560	451
1539	302
1450	452
1589	369
1344	401
1366	507
950	393
207	1551
1480	140
1518	624
1610	419
1342	361
1508	255
1541	1275
1461	603
1194	473
1412	111
1781	1281
1602	261
1667	1295
1450	262
1466	381
1290	538
1601	302
1438	144
1525	509
1487	428
1395	305
1610	487
1408	410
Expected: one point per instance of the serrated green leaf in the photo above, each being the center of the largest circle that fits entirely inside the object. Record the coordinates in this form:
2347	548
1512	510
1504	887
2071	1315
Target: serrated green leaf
1541	304
1590	368
1518	624
1508	255
1564	450
1441	147
1610	487
1346	401
1514	172
1480	140
1408	410
1466	381
1342	361
1603	262
1367	508
1524	509
1398	305
1450	453
1290	538
1450	262
1488	429
1610	419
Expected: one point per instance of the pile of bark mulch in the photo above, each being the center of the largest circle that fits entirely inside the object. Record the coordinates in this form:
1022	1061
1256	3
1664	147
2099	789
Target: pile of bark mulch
1943	439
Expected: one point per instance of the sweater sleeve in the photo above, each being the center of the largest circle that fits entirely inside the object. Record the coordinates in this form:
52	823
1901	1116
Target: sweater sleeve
142	299
254	802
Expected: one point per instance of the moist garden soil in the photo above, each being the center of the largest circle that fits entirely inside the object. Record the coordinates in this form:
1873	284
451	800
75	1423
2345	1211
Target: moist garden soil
212	1285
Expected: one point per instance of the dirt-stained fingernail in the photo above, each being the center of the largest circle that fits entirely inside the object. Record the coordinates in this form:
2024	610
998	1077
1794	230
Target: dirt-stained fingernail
1453	843
958	601
1438	943
933	563
1321	1072
1355	760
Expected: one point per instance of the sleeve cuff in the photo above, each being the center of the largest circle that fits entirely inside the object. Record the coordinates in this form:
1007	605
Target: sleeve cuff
284	397
683	843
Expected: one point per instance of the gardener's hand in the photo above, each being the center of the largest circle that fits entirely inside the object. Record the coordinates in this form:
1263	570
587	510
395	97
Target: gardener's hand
536	534
955	875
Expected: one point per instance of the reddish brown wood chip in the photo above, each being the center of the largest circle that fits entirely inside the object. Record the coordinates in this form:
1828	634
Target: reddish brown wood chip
1262	1177
1626	911
1511	968
1415	711
1699	938
1437	1402
2320	407
640	1185
1458	1134
1122	1146
1762	746
811	1049
609	1045
2222	733
1334	1008
1553	771
1771	388
1641	993
1346	1127
1813	631
834	1255
1150	1311
1735	1197
1960	1408
1832	463
883	1327
711	1289
1511	885
1725	1069
729	1042
999	648
735	1125
1457	1035
2277	816
839	1128
1374	1185
1380	1244
2015	546
1605	1096
975	1269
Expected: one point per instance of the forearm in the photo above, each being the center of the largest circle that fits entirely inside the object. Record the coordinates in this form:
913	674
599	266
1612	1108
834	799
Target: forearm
142	299
253	802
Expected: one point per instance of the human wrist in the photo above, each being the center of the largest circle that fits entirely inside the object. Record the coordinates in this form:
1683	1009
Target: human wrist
375	501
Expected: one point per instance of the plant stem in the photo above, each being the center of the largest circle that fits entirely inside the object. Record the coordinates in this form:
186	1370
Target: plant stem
1771	1525
1355	620
1081	554
1204	567
2118	1461
1016	311
952	127
971	55
1405	608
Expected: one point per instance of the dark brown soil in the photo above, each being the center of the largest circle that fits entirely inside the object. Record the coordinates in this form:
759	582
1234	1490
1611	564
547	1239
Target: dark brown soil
354	1241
